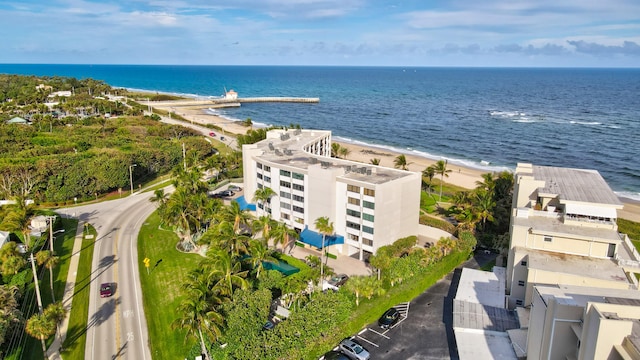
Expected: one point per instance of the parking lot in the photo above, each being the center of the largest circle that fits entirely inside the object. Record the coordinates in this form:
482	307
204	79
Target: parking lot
426	329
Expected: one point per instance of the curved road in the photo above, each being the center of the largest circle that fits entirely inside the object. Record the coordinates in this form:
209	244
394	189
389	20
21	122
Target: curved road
117	327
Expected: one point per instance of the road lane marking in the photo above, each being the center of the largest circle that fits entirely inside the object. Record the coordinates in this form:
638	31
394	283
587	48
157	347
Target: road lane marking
372	343
381	334
117	295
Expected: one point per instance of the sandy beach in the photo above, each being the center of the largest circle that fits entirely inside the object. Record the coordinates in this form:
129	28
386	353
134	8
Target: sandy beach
461	176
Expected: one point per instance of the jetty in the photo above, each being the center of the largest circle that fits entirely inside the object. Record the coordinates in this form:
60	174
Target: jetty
230	102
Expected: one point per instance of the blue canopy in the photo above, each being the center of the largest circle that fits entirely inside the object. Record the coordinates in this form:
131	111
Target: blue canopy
244	205
315	239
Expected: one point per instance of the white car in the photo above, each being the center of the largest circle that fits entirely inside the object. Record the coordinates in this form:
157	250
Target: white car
354	350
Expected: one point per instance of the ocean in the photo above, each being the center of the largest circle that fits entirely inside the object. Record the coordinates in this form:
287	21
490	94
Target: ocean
485	118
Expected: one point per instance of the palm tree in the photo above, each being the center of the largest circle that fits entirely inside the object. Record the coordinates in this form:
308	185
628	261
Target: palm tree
488	182
19	219
375	161
262	196
225	271
484	206
196	316
282	234
179	214
225	238
263	225
11	259
440	168
335	150
9	308
343	152
400	162
325	227
355	285
50	261
259	254
56	313
232	213
41	327
429	172
161	199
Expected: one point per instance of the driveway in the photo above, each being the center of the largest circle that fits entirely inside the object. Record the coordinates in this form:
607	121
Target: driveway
427	332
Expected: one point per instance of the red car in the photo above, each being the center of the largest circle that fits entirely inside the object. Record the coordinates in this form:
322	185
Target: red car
106	290
212	134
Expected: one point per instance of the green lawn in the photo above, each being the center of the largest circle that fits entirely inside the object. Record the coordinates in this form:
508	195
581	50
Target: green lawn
74	345
161	288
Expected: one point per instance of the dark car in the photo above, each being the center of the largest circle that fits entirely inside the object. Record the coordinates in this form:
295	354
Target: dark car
335	355
226	193
339	280
389	318
106	290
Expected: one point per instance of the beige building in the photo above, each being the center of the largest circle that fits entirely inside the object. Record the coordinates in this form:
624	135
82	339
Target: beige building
572	322
370	206
563	231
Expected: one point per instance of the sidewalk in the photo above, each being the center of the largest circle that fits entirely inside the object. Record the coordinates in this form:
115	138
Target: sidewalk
342	265
53	353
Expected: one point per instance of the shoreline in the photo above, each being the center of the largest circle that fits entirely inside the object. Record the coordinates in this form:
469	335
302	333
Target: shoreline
460	175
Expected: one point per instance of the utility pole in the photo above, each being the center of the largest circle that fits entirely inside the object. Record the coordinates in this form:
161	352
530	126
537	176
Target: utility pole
51	219
131	176
35	280
184	157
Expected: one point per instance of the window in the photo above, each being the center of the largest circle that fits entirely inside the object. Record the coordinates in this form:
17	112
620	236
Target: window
298	176
519	302
285	195
267	168
298	198
260	186
285	173
298	209
353	201
353	188
353	225
284	205
367	229
261	205
369	192
298	187
354	237
353	213
284	216
367	217
298	220
523	262
368	205
267	179
367	242
259	176
520	282
259	166
285	184
548	238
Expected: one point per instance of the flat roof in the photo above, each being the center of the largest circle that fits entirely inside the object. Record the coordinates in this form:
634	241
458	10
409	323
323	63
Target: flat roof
476	345
581	295
581	185
288	150
555	225
482	287
604	269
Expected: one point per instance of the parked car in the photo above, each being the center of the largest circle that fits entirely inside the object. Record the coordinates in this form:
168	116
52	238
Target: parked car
212	134
226	193
106	290
339	280
389	318
335	355
234	188
354	350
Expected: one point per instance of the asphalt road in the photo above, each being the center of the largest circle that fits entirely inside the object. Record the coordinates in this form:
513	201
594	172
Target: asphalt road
117	328
427	331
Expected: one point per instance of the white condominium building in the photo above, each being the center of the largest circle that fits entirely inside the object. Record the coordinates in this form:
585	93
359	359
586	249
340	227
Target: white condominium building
563	231
370	206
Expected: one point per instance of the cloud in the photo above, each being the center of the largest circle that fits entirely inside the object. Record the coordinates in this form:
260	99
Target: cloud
547	49
629	48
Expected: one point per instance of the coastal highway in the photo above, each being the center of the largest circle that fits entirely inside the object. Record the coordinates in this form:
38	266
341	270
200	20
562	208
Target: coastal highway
117	327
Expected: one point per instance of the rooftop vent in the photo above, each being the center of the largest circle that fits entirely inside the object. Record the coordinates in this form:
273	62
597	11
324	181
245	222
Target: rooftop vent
271	146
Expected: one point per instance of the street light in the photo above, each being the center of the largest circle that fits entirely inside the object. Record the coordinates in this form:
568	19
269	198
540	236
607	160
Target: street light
131	176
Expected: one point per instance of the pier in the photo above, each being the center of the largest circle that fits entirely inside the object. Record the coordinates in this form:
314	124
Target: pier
229	102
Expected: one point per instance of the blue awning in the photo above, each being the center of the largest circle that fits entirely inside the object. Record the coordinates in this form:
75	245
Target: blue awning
244	205
315	239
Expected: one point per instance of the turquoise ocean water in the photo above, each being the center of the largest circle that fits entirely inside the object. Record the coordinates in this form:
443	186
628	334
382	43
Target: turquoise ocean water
487	118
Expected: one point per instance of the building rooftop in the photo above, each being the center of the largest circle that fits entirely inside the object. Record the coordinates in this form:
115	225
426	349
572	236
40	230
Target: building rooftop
288	150
555	225
580	185
580	295
561	263
474	345
483	287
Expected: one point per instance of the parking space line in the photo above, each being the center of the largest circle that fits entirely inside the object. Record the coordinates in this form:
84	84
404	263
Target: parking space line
372	343
381	334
